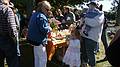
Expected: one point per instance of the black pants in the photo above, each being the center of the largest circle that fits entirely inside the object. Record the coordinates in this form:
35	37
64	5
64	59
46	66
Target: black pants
88	49
8	50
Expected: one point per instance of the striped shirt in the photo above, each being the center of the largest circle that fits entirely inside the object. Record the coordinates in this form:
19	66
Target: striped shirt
7	21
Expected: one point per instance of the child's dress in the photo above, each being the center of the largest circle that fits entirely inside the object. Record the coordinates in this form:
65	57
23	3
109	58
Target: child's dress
72	55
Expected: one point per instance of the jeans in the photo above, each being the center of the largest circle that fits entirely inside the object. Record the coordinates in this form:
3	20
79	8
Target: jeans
88	49
8	50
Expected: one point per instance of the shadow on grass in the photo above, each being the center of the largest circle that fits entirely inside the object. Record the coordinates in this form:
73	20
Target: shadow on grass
99	61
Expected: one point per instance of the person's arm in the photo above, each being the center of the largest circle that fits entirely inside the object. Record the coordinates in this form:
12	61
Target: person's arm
74	17
11	21
17	21
96	21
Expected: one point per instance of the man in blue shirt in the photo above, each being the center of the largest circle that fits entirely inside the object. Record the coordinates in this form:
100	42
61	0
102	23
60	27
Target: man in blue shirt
37	32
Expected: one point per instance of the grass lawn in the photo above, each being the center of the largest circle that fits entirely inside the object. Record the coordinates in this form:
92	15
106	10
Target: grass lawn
100	55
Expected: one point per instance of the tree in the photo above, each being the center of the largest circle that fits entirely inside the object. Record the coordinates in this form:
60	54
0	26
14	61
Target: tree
28	5
116	8
118	13
61	3
110	15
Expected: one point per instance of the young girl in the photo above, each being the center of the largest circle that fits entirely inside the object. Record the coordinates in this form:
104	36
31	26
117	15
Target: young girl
72	55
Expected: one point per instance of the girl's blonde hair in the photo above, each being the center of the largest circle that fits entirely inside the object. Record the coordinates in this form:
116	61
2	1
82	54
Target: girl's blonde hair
75	31
72	27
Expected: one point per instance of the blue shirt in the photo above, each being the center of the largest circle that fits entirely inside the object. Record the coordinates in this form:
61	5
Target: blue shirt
38	28
91	13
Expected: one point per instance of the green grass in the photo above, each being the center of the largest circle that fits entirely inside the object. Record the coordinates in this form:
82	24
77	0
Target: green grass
100	55
103	64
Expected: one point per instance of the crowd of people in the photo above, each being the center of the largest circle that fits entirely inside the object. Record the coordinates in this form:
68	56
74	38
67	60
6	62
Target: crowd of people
87	29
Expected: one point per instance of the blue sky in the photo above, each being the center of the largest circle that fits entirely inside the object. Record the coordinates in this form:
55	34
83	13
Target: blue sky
106	4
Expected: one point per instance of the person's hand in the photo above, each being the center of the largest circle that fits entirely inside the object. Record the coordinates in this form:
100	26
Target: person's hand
32	45
50	28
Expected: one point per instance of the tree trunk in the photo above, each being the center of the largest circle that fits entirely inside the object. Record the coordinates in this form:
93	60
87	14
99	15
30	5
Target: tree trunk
118	14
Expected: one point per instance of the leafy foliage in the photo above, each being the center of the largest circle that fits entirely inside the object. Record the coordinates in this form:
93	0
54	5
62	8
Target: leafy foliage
110	15
116	8
27	5
61	3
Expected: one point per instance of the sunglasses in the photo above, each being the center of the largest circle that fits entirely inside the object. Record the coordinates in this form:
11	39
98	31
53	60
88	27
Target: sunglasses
47	9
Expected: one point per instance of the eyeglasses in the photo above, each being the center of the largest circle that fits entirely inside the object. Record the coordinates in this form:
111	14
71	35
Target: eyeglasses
47	9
